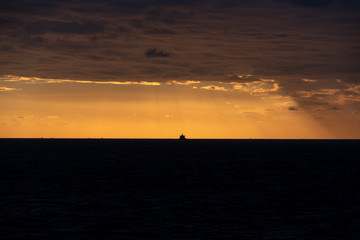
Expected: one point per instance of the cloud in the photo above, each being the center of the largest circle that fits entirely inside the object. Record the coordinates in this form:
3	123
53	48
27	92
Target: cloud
309	80
37	80
241	78
214	88
107	41
153	52
6	48
123	29
319	93
188	82
258	87
6	89
353	89
159	31
64	27
329	96
292	109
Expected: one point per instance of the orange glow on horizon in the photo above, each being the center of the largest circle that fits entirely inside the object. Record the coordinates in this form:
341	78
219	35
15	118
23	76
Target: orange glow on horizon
70	110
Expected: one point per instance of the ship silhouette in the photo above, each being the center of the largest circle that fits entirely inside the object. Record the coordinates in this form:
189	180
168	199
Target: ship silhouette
182	137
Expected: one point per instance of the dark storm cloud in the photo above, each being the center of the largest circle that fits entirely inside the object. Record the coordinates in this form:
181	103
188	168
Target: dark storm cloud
159	31
123	29
128	4
292	109
64	27
153	52
243	41
5	48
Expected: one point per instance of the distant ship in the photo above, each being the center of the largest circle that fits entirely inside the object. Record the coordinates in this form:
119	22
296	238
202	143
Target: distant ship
182	137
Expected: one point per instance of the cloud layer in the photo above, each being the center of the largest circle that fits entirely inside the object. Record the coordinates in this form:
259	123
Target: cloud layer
304	45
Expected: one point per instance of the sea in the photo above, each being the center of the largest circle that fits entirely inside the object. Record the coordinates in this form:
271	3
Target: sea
168	189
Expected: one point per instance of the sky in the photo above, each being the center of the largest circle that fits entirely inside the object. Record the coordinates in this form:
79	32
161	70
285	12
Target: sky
155	69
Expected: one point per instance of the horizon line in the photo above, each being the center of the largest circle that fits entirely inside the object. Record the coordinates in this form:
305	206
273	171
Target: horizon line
106	138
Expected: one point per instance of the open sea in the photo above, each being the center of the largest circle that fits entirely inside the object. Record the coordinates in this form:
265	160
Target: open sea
65	189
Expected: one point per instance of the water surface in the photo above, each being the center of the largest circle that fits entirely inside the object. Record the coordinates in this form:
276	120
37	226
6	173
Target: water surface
170	189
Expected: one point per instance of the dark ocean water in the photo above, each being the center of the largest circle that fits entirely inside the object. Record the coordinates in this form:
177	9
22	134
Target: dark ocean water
170	189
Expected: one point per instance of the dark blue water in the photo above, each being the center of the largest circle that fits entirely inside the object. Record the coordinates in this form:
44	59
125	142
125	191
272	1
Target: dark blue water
171	189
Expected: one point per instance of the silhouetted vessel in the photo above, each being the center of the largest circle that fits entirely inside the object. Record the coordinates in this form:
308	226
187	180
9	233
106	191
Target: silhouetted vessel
182	137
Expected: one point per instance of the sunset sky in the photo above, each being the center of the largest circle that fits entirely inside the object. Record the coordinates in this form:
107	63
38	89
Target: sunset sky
156	69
